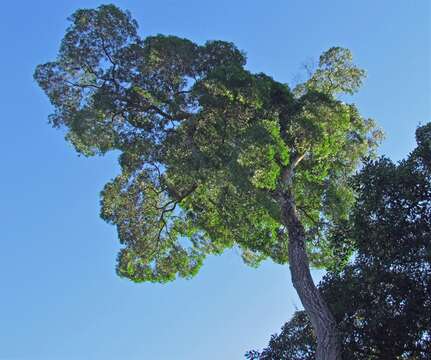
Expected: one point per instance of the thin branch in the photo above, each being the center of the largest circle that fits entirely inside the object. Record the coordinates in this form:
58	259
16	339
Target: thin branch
81	85
317	223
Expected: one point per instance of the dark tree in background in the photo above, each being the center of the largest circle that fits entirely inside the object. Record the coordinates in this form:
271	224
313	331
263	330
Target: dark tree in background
212	156
382	301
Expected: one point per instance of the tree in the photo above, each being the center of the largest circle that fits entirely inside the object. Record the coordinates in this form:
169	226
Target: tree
382	301
212	156
295	342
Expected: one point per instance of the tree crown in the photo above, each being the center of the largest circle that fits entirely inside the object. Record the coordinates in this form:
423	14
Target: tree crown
205	145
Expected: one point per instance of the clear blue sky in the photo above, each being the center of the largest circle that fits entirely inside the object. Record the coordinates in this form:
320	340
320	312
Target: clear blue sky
59	295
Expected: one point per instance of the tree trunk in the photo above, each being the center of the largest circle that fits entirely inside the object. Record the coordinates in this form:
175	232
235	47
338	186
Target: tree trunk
322	320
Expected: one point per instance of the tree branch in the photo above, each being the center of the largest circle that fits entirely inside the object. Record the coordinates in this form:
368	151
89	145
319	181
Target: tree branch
288	172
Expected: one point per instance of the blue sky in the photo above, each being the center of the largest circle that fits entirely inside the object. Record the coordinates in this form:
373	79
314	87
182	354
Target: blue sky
60	297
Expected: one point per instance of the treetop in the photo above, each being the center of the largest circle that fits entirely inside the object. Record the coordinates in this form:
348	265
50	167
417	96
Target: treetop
205	146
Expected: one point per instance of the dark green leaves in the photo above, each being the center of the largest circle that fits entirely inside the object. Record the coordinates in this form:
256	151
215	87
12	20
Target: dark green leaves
96	35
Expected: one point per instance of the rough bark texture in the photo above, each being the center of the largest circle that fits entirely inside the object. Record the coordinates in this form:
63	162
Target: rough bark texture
324	324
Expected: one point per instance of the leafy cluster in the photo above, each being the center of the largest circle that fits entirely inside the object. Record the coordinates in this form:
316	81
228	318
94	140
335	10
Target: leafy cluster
204	144
382	301
295	342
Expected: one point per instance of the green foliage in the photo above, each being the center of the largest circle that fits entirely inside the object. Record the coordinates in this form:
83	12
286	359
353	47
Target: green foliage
296	342
336	73
382	300
204	144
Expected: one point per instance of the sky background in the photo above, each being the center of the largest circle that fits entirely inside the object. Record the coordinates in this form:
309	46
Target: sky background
59	295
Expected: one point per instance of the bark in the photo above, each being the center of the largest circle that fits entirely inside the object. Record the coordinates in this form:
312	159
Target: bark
322	320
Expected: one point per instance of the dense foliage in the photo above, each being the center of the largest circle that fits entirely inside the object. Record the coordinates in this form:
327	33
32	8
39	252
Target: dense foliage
383	300
204	144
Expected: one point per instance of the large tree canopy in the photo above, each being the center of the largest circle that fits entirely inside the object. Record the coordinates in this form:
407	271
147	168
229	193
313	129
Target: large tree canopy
212	156
382	301
204	144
